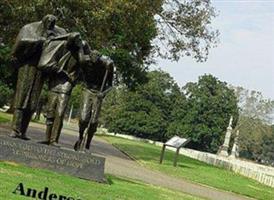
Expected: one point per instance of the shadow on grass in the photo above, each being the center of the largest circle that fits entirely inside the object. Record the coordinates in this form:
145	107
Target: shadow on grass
110	180
184	166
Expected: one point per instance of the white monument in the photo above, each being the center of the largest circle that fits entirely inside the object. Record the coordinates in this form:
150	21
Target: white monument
235	148
223	151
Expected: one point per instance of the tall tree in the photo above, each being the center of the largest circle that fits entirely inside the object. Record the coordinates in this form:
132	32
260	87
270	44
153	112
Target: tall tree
185	29
129	31
256	116
144	112
205	115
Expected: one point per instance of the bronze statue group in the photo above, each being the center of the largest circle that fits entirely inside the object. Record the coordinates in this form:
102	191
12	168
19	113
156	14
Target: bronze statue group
44	52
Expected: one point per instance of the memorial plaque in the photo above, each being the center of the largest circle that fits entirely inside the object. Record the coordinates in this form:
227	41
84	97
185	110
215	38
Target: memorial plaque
79	164
176	142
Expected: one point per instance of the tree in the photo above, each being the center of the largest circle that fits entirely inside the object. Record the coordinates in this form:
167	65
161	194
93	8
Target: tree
205	115
6	73
159	110
184	28
75	100
253	133
5	94
268	148
254	105
178	112
144	112
6	80
256	116
41	106
129	31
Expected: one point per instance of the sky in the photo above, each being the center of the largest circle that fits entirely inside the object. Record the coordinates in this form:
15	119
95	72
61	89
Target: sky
245	55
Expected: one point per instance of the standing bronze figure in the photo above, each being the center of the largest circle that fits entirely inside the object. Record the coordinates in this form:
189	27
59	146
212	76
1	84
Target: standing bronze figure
25	56
97	78
61	58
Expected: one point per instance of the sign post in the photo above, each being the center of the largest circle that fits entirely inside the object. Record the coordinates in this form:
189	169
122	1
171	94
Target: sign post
175	142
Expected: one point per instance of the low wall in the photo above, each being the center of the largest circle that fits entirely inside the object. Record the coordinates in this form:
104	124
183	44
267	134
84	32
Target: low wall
261	173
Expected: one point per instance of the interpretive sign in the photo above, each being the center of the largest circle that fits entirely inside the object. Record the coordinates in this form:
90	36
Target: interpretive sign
79	164
175	142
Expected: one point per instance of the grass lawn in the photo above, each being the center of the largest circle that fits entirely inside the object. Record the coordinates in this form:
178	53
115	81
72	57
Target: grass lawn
193	170
5	117
11	175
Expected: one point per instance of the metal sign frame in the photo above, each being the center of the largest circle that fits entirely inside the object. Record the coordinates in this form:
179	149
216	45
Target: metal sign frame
175	142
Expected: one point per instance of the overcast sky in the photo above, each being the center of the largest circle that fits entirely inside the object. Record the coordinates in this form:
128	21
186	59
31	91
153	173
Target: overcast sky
245	55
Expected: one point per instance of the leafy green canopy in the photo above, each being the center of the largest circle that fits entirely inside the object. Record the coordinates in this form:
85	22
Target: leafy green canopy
159	110
205	115
144	112
5	94
127	30
6	77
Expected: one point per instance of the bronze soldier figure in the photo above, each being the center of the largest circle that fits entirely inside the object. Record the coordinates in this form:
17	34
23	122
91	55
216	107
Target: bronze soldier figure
61	58
25	56
97	78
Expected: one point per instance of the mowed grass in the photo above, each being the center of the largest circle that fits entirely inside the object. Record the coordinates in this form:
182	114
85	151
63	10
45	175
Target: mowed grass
116	189
193	170
5	117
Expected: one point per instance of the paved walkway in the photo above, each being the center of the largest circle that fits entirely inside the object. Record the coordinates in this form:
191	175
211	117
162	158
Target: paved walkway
118	164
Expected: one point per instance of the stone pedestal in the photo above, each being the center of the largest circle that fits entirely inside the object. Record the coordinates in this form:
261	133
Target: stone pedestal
79	164
223	151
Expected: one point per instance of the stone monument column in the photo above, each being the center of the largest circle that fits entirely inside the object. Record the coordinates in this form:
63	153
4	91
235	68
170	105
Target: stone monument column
223	151
235	148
